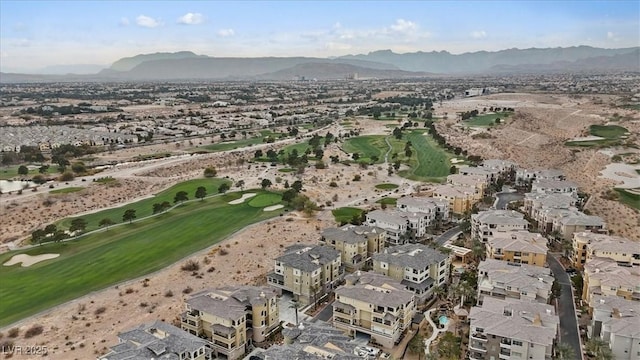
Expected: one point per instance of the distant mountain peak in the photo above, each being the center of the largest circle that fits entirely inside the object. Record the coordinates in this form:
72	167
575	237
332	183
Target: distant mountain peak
128	63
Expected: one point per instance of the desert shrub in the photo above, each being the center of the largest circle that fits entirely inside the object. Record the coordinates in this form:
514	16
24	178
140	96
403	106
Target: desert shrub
35	330
100	310
187	290
191	265
333	184
223	252
168	293
128	291
14	332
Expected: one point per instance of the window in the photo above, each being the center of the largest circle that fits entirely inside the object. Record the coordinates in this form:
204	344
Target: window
517	343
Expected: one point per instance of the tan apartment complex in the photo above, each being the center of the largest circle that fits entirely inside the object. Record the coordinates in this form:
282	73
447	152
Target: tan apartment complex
461	198
375	305
356	244
520	247
231	317
604	276
589	245
307	271
490	222
500	279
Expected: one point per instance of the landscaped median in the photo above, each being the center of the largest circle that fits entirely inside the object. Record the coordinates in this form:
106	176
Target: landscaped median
124	252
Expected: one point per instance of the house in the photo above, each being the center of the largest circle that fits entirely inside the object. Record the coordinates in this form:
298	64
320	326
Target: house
478	182
490	174
512	329
520	247
356	243
487	223
307	271
616	321
461	198
526	176
589	245
434	208
311	341
159	340
418	267
554	186
400	226
504	167
373	304
500	279
603	276
537	204
567	222
232	317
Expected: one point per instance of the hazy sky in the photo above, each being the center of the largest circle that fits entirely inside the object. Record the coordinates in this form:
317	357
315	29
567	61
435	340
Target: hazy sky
34	34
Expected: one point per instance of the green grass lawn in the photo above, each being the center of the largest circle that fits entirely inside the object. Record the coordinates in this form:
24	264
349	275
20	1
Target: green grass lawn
386	186
10	172
367	146
264	200
145	207
345	214
607	131
66	190
120	253
429	162
387	201
486	119
627	198
239	142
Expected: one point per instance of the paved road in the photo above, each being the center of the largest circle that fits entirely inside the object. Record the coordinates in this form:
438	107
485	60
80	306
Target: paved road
566	310
325	314
505	198
447	235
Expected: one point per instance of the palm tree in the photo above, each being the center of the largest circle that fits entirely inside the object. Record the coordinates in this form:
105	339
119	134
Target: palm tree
599	348
295	305
564	352
416	345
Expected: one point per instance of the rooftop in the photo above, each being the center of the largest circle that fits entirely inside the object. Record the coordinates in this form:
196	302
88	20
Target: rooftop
416	256
308	258
230	302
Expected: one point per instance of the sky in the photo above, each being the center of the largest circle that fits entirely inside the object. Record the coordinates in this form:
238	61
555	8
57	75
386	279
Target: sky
37	34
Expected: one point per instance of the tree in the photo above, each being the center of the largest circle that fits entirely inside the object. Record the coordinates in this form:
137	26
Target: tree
67	176
78	224
599	349
50	229
129	215
105	223
223	188
38	236
181	196
564	352
289	195
453	169
23	170
295	305
39	179
201	192
239	184
157	208
210	172
43	169
449	347
257	154
78	167
265	183
416	345
297	185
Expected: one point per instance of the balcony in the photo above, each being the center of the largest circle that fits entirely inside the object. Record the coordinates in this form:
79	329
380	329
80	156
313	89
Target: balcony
477	346
476	356
479	337
504	356
505	344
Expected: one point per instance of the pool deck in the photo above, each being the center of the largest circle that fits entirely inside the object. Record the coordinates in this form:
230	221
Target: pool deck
436	330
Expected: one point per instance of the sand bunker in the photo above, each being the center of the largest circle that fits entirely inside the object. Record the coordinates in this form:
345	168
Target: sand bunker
624	173
273	207
242	199
587	138
28	260
455	161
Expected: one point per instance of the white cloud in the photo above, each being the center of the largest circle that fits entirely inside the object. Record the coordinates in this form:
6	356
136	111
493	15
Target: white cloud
404	26
226	32
478	34
333	45
124	21
612	36
146	21
191	19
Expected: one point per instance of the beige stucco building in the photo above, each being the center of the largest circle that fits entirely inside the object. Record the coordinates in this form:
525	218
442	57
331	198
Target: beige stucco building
520	247
356	244
589	245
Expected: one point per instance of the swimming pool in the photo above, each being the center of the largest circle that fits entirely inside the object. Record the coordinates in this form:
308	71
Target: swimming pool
443	320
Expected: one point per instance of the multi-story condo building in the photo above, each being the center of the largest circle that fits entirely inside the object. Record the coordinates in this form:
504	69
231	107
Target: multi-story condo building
512	329
524	176
616	321
159	340
230	317
518	246
555	186
589	245
536	203
488	223
500	279
307	271
461	198
504	167
603	276
565	222
374	304
356	243
400	226
479	182
311	341
490	174
434	208
418	267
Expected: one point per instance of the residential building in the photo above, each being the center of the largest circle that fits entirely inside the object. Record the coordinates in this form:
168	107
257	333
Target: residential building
512	329
589	245
536	204
554	186
230	317
567	222
400	226
159	340
418	267
603	276
518	247
487	223
478	182
435	209
500	279
311	341
307	271
504	167
356	243
375	305
524	176
490	174
616	321
461	198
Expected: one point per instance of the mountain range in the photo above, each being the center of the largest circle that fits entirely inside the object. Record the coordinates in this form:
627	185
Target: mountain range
186	65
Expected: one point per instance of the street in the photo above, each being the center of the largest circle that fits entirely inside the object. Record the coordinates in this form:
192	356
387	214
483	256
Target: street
566	310
447	235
